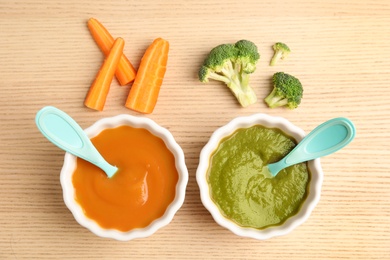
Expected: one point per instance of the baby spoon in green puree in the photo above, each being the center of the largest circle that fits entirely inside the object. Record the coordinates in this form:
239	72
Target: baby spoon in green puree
63	131
325	139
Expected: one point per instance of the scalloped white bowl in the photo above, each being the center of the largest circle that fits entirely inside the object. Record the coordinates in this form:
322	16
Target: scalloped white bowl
245	122
70	165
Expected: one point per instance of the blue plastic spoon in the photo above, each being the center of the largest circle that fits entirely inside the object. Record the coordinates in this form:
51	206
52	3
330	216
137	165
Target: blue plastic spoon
63	131
325	139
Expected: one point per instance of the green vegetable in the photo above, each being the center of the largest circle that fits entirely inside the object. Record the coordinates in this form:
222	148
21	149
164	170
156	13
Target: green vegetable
287	91
281	52
240	189
232	64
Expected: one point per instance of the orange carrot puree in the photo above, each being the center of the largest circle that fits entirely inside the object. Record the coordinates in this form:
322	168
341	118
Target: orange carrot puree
139	192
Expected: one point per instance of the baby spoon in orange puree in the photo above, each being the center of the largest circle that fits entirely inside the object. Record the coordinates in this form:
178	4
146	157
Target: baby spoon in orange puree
63	131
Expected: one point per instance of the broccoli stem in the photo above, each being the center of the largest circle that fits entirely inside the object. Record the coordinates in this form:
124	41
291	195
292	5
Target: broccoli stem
237	68
245	79
242	91
273	100
246	97
278	102
219	77
277	56
237	81
230	66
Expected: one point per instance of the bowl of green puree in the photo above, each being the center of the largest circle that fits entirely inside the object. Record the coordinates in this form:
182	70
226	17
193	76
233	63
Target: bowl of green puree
236	192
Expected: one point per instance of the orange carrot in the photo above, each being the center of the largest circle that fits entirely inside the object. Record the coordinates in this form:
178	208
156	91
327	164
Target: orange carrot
125	72
146	87
96	97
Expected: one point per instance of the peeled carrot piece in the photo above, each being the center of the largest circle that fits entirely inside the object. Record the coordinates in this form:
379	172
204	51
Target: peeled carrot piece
96	97
146	87
125	72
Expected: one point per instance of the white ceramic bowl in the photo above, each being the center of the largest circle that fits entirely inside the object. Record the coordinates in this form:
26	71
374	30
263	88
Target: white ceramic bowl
245	122
70	165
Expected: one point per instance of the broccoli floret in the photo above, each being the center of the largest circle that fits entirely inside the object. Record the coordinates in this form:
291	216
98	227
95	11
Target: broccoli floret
281	52
232	64
287	91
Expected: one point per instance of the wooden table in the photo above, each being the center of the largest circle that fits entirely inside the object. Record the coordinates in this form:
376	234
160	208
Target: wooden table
340	52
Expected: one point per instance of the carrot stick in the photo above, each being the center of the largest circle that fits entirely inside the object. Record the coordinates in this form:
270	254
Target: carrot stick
125	72
146	87
96	97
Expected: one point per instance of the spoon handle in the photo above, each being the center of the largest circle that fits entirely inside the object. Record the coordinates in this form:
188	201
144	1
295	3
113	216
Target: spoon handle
325	139
59	128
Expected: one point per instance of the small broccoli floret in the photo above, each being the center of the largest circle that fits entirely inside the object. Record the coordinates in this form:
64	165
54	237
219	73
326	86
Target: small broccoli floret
281	52
232	64
287	91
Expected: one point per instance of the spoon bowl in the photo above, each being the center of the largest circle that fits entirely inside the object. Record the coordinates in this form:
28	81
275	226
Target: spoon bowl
325	139
63	131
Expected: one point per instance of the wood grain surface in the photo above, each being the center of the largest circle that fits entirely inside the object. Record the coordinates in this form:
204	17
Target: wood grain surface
340	52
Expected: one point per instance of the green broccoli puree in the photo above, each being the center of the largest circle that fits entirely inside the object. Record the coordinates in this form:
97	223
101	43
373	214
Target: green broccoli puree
240	189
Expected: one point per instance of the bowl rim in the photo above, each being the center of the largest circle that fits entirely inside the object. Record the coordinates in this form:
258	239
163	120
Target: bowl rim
291	223
157	130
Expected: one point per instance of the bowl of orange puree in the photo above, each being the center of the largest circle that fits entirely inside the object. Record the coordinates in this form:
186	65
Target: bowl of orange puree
146	191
